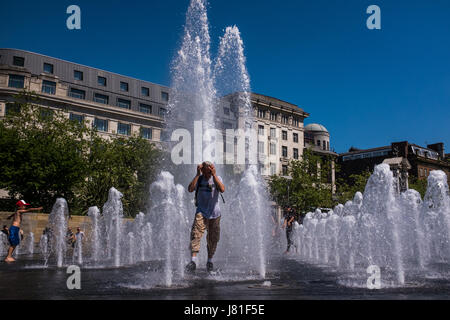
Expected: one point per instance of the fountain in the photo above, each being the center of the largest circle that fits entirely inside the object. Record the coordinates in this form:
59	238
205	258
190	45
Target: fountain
94	213
44	248
30	243
3	243
57	224
112	218
396	232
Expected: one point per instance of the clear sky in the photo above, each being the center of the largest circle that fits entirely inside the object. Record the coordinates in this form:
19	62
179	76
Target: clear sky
368	87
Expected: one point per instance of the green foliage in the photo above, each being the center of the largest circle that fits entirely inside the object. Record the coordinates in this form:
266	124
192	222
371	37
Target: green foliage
420	185
42	156
45	155
309	188
128	164
346	189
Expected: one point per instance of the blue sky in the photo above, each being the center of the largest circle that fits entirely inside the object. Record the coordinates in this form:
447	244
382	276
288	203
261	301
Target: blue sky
368	87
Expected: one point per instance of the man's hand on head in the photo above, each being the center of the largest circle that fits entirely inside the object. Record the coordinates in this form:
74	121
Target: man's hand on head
199	169
213	170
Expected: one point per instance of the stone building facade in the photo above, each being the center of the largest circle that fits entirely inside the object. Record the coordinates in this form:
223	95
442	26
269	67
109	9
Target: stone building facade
112	103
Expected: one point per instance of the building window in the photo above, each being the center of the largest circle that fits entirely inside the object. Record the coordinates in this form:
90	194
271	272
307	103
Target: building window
296	153
146	133
145	108
284	135
145	91
123	128
273	149
260	130
285	170
78	75
273	169
261	113
273	133
295	137
46	113
324	145
18	61
48	87
260	146
284	119
295	122
318	143
122	103
12	108
123	86
16	81
273	116
101	124
162	112
48	68
77	117
101	98
77	93
164	96
227	125
226	111
101	81
284	151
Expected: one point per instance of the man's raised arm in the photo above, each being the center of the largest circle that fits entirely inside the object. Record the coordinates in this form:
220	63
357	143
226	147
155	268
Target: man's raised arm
193	183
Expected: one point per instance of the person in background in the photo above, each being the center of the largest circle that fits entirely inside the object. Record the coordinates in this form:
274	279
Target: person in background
289	218
14	231
5	230
70	237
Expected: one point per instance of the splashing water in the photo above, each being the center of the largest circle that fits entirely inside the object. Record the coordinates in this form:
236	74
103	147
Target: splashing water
397	232
57	223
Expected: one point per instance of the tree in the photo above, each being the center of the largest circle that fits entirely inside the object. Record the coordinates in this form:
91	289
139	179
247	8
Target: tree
128	164
45	155
420	185
308	187
42	152
346	188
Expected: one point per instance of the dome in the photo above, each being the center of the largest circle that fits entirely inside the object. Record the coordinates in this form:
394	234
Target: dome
316	127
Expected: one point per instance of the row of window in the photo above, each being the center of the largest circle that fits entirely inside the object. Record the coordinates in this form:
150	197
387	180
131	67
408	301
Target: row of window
325	145
49	87
99	124
273	150
365	155
274	117
122	128
273	169
101	81
284	134
424	172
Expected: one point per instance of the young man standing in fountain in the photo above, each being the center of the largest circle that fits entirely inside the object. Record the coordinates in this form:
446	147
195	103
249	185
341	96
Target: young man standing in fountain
207	186
14	231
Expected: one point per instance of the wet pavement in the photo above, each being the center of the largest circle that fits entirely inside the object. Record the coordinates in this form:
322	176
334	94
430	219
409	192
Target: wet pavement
289	279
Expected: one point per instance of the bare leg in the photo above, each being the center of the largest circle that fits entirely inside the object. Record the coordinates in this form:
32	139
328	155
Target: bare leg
9	257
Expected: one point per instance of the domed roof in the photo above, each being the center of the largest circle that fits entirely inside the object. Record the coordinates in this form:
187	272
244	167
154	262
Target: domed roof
315	127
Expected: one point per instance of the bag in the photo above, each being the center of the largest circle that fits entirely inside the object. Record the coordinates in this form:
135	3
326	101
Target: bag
196	191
